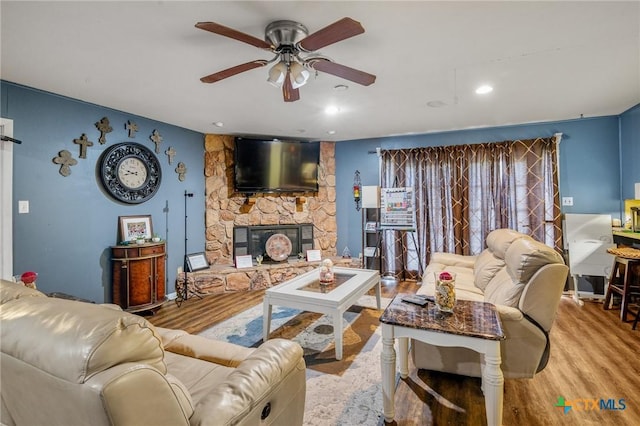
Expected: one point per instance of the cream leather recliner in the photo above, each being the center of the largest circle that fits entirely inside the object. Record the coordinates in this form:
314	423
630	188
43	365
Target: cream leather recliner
524	279
73	363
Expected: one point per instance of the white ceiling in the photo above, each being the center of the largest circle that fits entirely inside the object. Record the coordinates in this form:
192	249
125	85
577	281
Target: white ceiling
546	60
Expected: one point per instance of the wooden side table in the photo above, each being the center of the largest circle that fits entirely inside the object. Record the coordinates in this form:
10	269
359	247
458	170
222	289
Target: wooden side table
138	276
473	325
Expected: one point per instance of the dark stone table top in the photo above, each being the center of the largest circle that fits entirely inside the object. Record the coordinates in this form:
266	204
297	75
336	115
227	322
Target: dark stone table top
472	319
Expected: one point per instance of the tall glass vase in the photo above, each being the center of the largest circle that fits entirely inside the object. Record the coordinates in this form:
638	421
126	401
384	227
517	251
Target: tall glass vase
445	295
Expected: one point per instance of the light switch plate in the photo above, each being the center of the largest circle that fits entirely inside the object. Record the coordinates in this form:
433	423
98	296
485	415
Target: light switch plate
23	206
567	201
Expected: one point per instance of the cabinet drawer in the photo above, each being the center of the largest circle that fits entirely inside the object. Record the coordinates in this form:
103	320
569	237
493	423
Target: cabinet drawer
158	249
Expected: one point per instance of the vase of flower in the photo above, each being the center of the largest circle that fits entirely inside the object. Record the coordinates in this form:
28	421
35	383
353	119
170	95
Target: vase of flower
445	295
326	272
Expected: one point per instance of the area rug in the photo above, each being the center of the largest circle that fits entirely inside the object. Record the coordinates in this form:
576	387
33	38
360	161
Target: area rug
345	392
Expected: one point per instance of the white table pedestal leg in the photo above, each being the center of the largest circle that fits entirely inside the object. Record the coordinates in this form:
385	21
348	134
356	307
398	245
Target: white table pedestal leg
337	333
493	386
266	318
388	363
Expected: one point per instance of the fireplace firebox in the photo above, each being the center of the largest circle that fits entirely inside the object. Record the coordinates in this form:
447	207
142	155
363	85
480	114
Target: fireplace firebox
252	239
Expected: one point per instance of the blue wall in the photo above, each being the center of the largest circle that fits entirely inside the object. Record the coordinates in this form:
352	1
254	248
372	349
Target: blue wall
590	158
630	151
72	223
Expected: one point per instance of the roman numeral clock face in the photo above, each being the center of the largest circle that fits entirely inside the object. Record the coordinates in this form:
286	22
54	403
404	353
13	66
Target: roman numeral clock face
130	172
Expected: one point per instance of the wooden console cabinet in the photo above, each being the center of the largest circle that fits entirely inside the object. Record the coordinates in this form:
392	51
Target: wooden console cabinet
139	276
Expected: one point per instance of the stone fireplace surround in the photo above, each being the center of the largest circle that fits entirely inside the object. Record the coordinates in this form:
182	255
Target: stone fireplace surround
226	210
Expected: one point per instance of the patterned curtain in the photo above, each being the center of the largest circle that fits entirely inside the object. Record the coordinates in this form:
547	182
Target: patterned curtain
463	192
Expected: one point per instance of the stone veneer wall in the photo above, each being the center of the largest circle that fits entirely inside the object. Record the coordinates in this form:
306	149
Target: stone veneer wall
224	208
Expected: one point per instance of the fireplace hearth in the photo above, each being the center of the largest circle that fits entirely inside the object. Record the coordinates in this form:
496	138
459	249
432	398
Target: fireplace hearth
251	240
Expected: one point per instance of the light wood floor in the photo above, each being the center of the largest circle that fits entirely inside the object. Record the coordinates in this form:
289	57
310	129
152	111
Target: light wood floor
594	356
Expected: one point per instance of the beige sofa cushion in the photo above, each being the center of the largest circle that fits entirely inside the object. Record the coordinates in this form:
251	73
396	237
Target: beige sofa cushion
486	267
492	259
526	256
523	258
11	291
94	338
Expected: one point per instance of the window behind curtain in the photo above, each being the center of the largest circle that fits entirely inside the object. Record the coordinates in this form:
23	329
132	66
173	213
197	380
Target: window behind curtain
463	192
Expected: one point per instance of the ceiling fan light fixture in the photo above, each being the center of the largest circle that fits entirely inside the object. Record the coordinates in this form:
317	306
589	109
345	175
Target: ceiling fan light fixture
296	52
277	74
299	74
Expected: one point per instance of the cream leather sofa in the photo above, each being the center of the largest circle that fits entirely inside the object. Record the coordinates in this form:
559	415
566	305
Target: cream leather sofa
72	363
524	279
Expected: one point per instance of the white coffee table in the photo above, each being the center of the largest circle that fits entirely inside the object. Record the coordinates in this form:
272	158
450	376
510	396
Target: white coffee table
305	292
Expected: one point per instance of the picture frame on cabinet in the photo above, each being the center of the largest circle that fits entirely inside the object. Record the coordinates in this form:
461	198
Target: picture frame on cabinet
135	227
197	262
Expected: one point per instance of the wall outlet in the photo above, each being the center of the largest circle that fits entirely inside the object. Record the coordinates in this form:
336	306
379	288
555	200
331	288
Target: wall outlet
567	201
23	206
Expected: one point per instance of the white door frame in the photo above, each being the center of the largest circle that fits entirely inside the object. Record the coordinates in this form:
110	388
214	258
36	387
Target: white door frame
6	200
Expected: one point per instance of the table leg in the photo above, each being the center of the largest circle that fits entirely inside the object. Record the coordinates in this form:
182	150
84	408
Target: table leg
266	320
493	385
378	294
403	356
388	365
337	333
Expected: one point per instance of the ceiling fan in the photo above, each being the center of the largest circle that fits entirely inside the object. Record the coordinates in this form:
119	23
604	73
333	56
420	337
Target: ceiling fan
294	53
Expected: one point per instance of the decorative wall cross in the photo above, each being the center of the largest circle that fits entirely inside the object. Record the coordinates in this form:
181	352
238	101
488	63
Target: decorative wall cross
84	143
170	153
132	128
65	160
181	170
104	127
156	138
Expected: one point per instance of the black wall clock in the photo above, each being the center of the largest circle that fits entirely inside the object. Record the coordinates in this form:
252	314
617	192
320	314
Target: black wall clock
130	172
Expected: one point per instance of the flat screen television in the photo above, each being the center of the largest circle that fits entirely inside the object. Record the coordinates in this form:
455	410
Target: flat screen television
275	165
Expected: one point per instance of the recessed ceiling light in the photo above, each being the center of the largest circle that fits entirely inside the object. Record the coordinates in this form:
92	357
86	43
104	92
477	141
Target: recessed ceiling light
331	132
484	89
341	87
331	110
218	124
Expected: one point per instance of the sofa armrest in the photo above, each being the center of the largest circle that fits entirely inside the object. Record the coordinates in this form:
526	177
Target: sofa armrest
525	344
541	296
507	313
452	259
125	388
216	351
277	366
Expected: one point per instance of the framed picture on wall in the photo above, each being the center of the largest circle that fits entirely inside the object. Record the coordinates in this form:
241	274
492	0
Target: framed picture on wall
135	227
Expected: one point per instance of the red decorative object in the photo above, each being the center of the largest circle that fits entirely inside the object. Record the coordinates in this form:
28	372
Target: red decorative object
445	276
28	277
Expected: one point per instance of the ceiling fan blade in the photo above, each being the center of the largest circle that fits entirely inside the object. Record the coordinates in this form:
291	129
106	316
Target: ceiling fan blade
230	72
288	92
338	31
344	71
234	34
